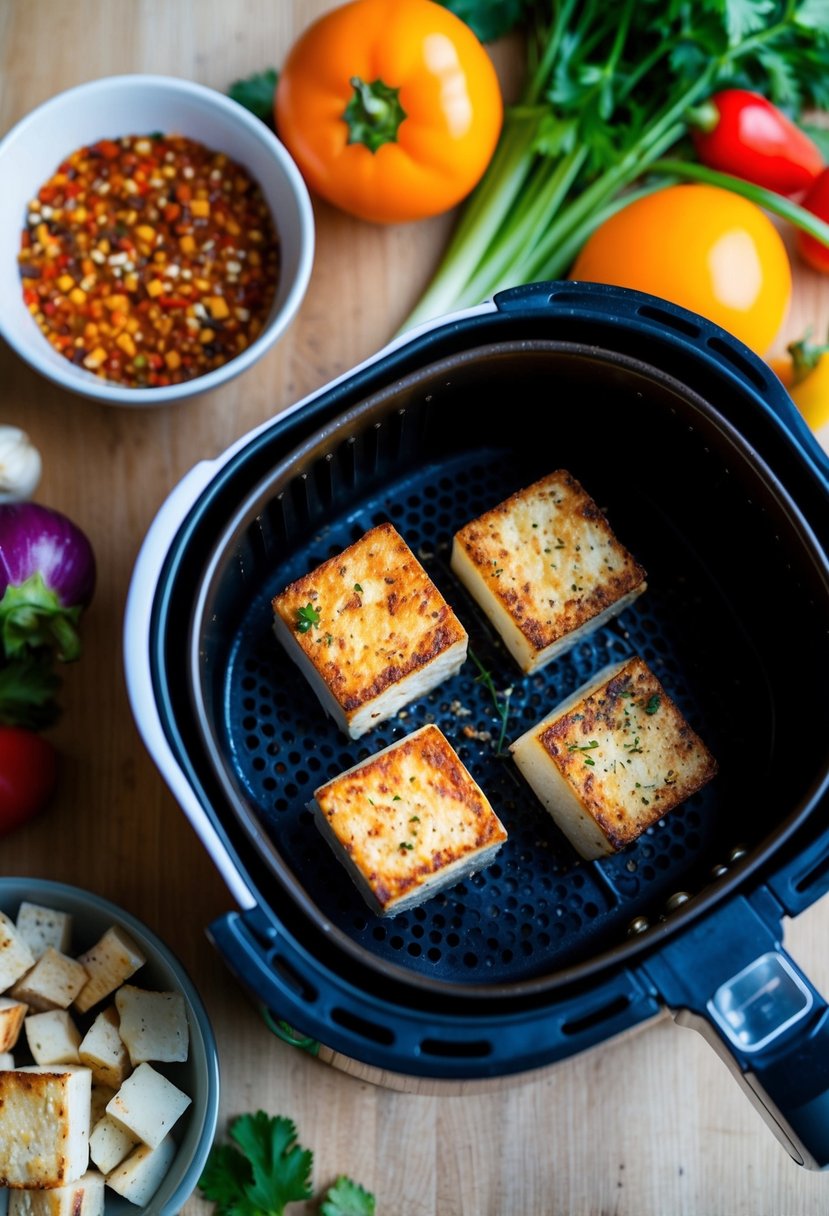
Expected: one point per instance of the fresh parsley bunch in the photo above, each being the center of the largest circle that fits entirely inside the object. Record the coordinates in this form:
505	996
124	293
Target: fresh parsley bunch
266	1169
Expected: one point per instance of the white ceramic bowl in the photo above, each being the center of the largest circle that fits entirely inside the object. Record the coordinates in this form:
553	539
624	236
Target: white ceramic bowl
113	107
198	1076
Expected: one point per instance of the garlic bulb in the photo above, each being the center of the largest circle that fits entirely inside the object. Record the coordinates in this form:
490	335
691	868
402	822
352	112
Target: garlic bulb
20	465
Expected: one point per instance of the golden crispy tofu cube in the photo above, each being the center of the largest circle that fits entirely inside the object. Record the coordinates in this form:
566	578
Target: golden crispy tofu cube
43	927
546	568
153	1025
15	956
53	982
44	1125
369	630
103	1050
110	962
82	1198
147	1105
613	759
12	1015
408	821
140	1175
53	1037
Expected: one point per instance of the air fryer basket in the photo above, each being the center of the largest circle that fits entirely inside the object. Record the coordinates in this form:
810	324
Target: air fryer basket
733	620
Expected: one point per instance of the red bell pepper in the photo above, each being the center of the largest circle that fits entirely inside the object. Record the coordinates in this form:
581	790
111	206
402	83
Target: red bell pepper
815	200
742	133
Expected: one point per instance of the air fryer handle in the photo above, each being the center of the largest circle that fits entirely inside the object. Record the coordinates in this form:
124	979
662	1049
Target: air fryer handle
731	980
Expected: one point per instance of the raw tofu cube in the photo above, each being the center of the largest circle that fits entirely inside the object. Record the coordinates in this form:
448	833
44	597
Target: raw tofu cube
613	759
101	1094
139	1177
147	1105
109	963
6	1060
15	955
109	1144
408	821
12	1013
82	1198
42	927
53	982
44	1125
369	630
103	1050
153	1024
546	568
53	1037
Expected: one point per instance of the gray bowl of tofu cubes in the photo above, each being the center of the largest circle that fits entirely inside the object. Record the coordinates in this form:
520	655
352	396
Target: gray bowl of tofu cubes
109	1080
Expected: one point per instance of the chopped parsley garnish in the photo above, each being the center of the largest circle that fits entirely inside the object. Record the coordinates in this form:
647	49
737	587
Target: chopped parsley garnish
358	589
405	844
414	819
306	617
585	747
652	704
396	798
633	747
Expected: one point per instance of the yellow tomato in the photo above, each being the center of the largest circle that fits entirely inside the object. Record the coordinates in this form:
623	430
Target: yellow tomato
811	394
701	247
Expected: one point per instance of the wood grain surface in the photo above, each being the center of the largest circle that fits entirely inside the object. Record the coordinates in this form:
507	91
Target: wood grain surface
649	1125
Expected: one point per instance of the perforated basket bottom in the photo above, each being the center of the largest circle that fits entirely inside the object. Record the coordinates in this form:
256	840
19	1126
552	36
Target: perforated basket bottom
538	906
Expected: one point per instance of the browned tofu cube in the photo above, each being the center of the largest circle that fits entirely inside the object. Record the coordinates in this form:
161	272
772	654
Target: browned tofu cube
613	759
44	1125
369	630
408	821
12	1013
546	568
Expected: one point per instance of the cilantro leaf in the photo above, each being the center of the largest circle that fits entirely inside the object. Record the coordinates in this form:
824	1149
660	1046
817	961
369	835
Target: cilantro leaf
347	1198
281	1168
255	93
489	19
271	1170
224	1180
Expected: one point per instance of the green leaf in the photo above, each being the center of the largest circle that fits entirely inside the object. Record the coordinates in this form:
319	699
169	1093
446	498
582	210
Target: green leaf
27	689
224	1180
256	93
489	19
813	14
347	1198
281	1168
271	1170
742	17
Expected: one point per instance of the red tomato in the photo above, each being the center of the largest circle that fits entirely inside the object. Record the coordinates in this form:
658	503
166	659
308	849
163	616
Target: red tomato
751	139
815	200
28	775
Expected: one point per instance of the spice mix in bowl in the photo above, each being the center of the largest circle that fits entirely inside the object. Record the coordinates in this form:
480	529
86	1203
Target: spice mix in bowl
158	241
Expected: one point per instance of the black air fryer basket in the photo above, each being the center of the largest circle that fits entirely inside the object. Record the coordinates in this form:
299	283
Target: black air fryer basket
709	476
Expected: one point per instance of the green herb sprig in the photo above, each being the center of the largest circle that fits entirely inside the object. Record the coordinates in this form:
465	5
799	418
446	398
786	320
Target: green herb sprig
500	700
265	1169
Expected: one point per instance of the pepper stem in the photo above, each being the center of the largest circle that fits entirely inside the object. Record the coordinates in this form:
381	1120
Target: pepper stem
374	114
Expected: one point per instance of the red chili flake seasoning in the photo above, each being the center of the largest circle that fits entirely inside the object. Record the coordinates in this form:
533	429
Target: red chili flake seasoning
149	259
